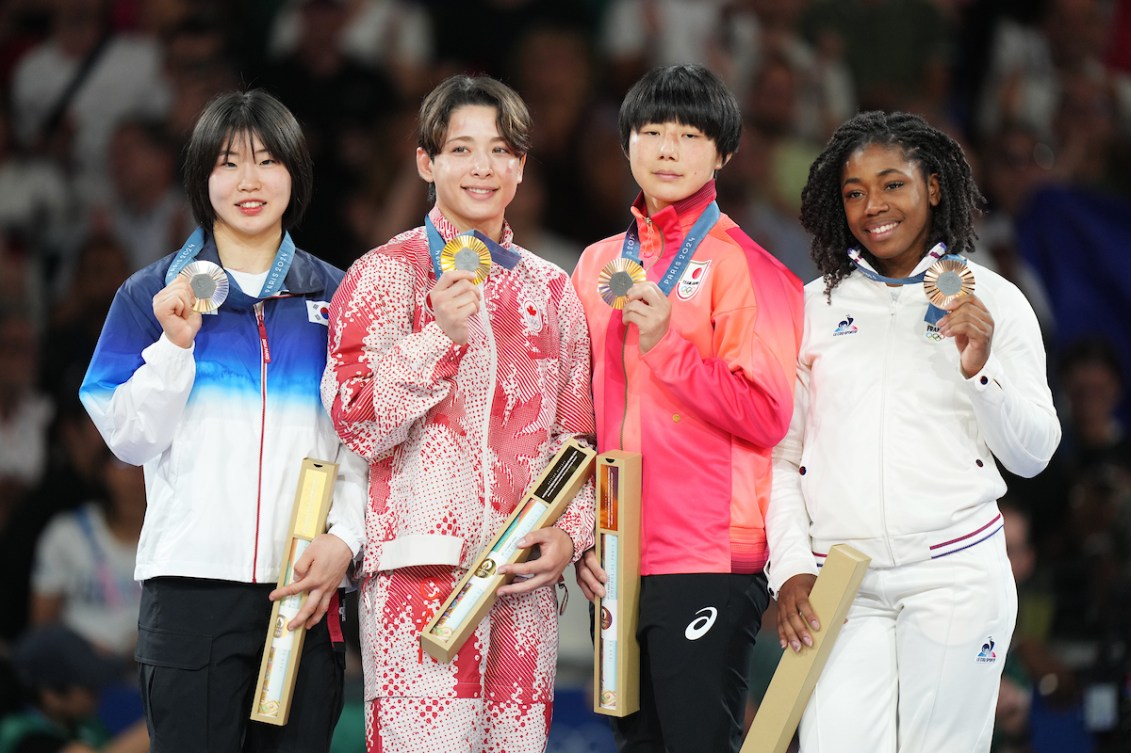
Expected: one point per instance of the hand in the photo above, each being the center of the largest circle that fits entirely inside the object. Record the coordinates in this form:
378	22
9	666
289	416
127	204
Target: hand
318	573
795	613
650	310
455	299
970	324
555	550
591	579
173	308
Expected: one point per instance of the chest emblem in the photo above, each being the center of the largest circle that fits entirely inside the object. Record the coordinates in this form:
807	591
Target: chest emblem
318	312
692	279
846	326
532	319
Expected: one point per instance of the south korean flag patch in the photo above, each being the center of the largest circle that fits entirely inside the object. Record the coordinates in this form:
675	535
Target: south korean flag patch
318	312
692	279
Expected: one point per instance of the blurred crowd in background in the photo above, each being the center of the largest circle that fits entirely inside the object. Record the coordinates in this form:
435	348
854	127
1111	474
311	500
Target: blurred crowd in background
97	98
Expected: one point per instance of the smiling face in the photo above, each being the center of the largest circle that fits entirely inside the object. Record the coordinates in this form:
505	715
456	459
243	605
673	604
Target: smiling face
475	172
249	190
888	203
671	161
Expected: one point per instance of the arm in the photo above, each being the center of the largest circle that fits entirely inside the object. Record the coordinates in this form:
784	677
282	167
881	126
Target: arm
381	375
746	386
323	566
1007	387
792	568
138	381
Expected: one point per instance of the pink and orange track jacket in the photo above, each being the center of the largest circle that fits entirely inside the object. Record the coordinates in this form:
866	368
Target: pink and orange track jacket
707	404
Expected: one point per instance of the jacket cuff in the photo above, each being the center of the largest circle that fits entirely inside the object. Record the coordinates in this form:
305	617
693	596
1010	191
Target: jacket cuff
447	366
986	384
350	538
778	571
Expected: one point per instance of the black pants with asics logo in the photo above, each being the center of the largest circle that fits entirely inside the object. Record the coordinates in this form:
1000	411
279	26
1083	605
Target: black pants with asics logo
696	637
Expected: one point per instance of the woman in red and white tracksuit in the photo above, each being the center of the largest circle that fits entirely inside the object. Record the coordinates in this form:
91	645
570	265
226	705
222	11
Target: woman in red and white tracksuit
459	394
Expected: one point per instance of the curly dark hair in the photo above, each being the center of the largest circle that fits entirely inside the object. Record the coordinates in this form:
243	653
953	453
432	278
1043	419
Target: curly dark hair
822	208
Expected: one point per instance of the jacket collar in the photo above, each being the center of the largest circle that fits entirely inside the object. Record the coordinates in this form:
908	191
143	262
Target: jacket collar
678	217
302	277
449	231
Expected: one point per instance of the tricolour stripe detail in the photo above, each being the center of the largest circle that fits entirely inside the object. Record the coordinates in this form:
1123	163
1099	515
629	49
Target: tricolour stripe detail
936	555
973	533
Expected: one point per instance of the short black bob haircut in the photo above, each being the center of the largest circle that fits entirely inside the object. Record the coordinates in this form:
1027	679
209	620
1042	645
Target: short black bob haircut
687	94
232	116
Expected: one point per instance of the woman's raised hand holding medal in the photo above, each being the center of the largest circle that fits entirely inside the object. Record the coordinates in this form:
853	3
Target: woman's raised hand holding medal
971	325
455	299
173	307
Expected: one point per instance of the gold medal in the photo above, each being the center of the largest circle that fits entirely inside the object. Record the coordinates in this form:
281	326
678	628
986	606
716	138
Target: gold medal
615	280
209	284
467	253
947	280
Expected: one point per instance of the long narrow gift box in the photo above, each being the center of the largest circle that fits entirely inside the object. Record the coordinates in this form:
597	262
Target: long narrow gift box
797	673
281	654
474	593
616	653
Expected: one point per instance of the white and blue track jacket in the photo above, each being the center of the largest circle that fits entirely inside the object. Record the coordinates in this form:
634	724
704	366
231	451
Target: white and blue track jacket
222	427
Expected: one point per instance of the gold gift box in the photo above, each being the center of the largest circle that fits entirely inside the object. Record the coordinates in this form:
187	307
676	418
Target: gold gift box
474	594
797	673
283	648
616	653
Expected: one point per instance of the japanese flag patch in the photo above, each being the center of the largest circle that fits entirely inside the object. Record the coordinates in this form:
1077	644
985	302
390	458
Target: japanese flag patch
692	279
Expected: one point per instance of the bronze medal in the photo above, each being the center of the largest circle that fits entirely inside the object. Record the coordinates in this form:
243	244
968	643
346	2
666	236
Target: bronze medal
947	280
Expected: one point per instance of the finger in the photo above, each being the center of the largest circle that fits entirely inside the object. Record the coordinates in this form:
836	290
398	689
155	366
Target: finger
323	608
525	585
453	276
588	583
645	292
807	614
588	594
288	590
787	633
309	606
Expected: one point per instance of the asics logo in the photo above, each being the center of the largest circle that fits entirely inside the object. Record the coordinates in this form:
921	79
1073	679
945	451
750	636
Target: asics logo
698	627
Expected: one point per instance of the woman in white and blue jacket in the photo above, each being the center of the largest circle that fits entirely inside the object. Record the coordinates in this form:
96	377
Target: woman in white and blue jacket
221	408
902	412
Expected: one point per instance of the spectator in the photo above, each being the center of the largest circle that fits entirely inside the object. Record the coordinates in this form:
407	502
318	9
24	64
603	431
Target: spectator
912	72
146	210
25	413
63	675
393	36
84	564
69	92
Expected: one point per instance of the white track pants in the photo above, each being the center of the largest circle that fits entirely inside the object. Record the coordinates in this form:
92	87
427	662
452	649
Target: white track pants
917	665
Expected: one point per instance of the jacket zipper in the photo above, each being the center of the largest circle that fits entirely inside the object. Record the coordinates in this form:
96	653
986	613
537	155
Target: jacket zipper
624	342
265	358
485	529
883	425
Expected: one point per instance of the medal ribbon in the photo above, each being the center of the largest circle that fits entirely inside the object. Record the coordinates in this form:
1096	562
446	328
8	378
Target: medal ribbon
938	252
505	258
695	236
275	276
